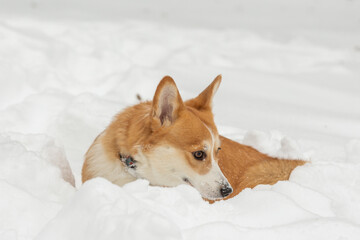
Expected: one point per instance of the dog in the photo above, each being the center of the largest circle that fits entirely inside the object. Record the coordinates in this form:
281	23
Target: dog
171	142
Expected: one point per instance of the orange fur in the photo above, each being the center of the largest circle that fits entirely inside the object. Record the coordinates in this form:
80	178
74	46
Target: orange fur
162	135
245	167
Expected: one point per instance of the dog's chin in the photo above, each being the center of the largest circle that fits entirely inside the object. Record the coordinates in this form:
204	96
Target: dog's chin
212	198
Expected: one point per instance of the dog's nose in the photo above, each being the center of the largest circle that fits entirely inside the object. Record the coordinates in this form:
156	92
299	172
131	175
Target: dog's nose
226	190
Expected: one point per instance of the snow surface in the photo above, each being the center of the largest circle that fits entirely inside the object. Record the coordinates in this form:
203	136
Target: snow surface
291	84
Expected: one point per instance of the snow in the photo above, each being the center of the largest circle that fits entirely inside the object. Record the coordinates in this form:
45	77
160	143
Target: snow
291	83
101	210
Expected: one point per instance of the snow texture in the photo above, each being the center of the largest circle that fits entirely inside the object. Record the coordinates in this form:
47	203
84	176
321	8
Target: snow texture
291	89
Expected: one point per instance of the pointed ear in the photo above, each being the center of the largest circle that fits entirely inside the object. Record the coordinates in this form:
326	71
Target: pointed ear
167	102
204	100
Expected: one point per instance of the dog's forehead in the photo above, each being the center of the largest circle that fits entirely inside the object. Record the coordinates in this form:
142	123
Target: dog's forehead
214	143
193	128
196	131
207	119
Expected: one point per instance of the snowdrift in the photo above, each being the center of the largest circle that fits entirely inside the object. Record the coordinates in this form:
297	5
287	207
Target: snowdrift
296	83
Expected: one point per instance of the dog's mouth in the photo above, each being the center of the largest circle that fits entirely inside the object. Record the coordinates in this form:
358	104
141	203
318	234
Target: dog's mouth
212	195
187	181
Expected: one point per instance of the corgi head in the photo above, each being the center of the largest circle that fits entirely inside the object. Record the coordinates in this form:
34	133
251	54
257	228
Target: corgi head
184	142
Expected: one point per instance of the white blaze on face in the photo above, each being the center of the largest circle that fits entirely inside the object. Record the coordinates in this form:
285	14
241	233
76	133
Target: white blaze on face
168	167
210	184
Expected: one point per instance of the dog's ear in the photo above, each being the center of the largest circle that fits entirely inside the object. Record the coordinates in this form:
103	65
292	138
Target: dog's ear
204	100
167	102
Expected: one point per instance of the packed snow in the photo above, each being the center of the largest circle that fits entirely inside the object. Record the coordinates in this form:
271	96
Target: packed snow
291	89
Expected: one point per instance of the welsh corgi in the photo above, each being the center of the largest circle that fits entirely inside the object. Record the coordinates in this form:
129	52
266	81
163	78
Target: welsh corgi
170	142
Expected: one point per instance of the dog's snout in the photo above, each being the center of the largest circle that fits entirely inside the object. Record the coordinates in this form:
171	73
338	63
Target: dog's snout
226	190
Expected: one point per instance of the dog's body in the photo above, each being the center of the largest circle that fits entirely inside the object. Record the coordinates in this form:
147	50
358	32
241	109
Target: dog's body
246	167
169	142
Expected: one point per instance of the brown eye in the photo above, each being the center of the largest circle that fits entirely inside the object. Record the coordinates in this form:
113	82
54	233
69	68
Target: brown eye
199	155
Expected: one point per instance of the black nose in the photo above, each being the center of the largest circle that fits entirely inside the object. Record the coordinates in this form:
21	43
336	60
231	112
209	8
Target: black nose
226	191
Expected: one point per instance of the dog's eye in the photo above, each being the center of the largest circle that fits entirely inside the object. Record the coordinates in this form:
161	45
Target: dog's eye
199	155
219	148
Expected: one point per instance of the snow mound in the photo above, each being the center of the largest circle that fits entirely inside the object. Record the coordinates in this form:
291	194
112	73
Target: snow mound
273	144
29	161
101	210
35	180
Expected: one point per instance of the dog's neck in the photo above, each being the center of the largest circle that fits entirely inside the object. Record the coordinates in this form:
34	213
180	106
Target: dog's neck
128	133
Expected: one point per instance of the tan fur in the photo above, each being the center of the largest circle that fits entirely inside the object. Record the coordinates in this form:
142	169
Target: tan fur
162	135
245	167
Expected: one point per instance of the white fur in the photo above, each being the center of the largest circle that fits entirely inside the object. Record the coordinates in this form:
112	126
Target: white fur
169	168
111	169
209	184
164	169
